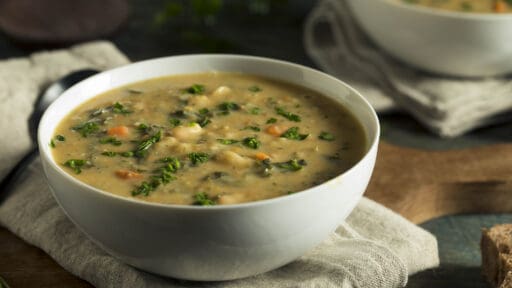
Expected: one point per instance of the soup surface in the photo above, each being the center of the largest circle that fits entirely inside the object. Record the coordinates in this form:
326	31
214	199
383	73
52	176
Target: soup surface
479	6
206	139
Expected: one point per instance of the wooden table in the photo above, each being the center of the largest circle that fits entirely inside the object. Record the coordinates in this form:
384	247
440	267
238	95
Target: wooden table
279	36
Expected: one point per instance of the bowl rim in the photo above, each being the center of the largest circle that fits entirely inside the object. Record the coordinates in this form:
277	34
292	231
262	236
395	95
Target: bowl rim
46	153
488	16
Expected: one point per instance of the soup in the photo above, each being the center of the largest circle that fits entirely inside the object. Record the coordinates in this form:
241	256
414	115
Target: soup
207	139
479	6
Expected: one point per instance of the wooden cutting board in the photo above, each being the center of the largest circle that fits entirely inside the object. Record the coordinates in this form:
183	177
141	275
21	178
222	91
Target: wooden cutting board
422	184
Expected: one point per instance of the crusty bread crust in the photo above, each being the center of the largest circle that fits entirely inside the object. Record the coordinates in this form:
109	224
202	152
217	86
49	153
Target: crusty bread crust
496	248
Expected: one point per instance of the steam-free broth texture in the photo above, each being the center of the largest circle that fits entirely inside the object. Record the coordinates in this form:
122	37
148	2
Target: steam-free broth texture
207	139
478	6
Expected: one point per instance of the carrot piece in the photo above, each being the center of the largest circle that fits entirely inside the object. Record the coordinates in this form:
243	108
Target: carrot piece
261	156
275	130
500	6
127	174
118	131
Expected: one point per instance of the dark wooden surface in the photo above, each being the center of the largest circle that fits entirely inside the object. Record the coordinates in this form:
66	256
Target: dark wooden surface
277	35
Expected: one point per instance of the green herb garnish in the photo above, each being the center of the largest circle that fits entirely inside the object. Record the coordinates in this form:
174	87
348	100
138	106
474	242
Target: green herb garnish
175	122
293	134
195	89
144	146
326	136
173	164
111	140
109	153
288	115
271	120
145	188
75	164
60	138
198	157
52	144
203	121
227	141
251	142
127	154
253	128
226	107
118	108
87	128
254	89
292	165
202	199
255	111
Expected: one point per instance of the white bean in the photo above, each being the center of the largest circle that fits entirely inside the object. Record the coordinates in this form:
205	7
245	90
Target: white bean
187	132
234	159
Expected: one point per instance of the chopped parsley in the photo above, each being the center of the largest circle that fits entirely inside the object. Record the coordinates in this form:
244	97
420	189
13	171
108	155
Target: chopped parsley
175	122
118	108
203	121
52	144
326	136
164	175
202	199
111	140
145	188
227	141
293	134
60	138
195	89
127	154
271	120
251	142
255	111
204	111
75	164
288	115
253	128
144	146
198	157
254	89
87	128
226	107
291	165
143	127
173	164
109	153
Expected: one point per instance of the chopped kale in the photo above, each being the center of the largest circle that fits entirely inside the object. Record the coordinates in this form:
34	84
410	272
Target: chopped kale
75	164
195	89
251	142
87	128
198	157
271	120
111	140
254	89
227	141
288	115
118	108
326	136
293	134
144	146
202	199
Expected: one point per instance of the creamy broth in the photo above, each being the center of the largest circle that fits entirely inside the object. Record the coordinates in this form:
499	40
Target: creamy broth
206	139
478	6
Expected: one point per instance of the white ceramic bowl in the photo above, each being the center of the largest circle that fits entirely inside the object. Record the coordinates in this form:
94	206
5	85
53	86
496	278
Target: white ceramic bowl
451	43
219	242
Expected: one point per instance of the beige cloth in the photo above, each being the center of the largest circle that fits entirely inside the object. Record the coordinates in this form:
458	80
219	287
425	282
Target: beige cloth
447	106
374	248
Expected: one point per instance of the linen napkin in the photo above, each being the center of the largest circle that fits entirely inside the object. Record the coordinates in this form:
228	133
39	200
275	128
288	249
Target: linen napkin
446	105
374	247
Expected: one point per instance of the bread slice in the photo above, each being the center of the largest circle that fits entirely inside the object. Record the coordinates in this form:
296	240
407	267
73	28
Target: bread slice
496	248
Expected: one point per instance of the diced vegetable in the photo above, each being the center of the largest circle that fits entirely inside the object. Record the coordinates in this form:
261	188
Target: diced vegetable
119	131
